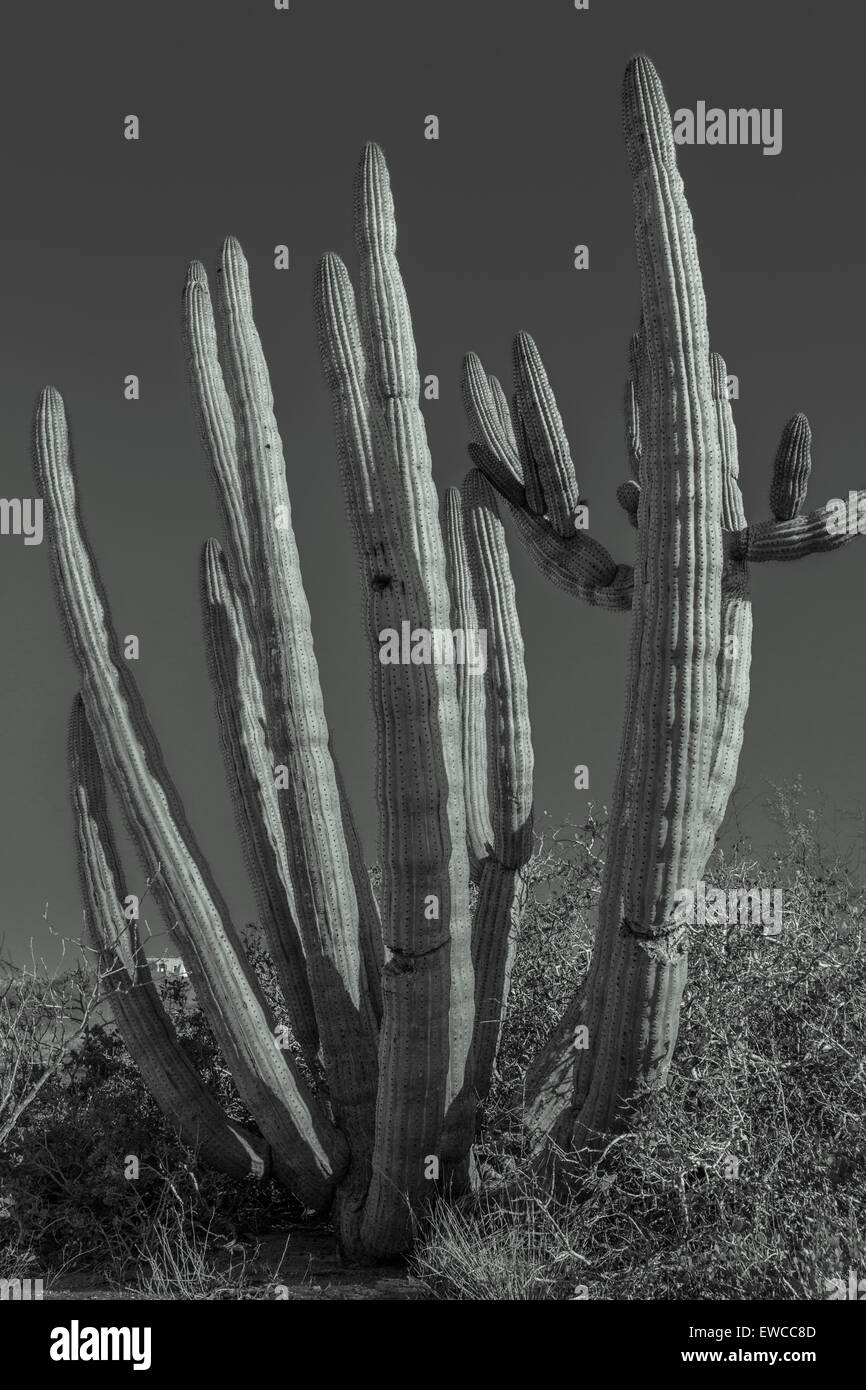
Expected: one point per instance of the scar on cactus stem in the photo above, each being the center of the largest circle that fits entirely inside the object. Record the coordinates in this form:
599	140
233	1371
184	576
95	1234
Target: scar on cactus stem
685	703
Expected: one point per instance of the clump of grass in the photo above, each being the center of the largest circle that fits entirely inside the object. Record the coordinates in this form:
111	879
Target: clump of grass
180	1260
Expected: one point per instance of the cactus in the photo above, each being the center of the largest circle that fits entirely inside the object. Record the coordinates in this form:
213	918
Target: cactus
395	1007
689	593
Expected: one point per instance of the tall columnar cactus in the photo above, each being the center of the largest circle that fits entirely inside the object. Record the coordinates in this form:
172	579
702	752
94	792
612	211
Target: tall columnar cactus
691	628
395	1007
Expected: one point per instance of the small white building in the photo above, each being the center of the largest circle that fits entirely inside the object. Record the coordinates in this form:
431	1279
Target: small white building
169	966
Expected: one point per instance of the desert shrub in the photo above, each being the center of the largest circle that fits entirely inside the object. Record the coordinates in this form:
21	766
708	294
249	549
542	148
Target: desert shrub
65	1197
746	1176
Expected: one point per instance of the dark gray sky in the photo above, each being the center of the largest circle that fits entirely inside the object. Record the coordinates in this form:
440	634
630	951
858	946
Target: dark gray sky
252	120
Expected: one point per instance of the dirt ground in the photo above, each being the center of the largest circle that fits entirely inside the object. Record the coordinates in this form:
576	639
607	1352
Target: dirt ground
296	1264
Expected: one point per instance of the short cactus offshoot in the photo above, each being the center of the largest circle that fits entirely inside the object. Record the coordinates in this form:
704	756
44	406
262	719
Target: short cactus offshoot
396	1006
688	681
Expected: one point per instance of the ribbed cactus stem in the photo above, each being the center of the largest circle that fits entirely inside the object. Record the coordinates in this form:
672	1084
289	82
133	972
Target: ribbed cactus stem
250	765
491	431
328	891
630	1005
470	691
136	1007
372	372
503	889
733	515
691	638
672	695
548	470
791	469
325	897
309	1154
217	429
735	624
571	558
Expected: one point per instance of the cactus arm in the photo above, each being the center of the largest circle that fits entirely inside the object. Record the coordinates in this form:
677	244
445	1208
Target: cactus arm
491	431
503	888
735	646
372	943
510	756
500	404
798	537
573	560
579	565
136	1006
249	765
326	901
787	535
732	695
214	416
308	1153
424	1045
470	691
791	469
546	454
232	431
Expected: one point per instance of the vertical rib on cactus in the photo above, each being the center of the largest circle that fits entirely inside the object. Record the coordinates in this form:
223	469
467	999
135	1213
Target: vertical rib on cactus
385	468
136	1007
249	763
326	901
309	1154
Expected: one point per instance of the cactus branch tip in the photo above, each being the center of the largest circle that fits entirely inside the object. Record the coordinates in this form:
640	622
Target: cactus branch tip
649	136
